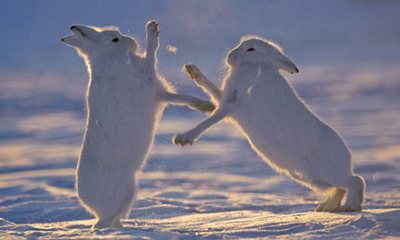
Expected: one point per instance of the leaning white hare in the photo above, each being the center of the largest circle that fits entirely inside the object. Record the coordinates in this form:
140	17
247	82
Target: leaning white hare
125	101
279	127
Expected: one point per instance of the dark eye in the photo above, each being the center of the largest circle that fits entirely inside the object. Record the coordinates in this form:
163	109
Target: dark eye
115	40
250	49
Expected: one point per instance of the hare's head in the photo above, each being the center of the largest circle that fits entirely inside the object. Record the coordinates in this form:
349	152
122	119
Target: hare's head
254	50
106	42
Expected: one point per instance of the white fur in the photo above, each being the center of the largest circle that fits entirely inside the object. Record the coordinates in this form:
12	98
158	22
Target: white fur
278	125
125	101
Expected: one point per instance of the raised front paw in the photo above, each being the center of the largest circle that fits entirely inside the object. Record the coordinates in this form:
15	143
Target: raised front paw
203	106
184	138
152	34
192	70
152	29
195	73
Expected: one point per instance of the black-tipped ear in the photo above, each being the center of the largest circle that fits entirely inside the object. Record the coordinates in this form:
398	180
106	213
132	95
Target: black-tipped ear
285	63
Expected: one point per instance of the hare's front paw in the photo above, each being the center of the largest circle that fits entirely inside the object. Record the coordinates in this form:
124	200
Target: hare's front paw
192	70
152	33
152	29
203	106
185	138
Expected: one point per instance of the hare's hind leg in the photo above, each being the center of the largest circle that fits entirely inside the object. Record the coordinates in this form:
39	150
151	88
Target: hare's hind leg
125	206
123	212
117	223
104	222
355	194
113	219
332	202
113	222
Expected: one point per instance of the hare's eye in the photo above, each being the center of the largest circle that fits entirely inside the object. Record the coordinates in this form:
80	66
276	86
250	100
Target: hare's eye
115	40
250	49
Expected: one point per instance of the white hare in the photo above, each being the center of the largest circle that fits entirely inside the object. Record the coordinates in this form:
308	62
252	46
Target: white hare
278	125
125	101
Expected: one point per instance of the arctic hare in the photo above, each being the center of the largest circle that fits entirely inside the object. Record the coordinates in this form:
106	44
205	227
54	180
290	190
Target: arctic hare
125	101
278	125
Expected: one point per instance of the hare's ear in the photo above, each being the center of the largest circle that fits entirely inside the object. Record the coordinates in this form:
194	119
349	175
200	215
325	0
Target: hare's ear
285	63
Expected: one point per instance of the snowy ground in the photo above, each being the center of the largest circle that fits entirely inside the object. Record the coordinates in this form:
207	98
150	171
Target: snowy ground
219	188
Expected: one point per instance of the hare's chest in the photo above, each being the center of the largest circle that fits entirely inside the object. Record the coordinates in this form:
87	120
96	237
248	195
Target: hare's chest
255	106
120	98
134	87
248	98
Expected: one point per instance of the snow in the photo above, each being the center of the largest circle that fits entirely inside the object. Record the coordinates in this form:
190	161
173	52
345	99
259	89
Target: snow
218	188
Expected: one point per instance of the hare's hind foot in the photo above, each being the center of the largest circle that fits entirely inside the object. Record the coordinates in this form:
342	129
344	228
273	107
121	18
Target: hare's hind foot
355	195
355	187
350	208
103	223
116	223
332	203
108	223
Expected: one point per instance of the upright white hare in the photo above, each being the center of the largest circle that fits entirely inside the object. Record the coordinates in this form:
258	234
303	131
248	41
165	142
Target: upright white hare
125	101
278	125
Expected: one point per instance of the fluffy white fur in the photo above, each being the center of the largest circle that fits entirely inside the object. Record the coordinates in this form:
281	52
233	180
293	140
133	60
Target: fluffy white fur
278	125
125	101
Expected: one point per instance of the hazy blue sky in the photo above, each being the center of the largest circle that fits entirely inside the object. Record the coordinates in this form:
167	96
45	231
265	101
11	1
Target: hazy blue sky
40	74
311	32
